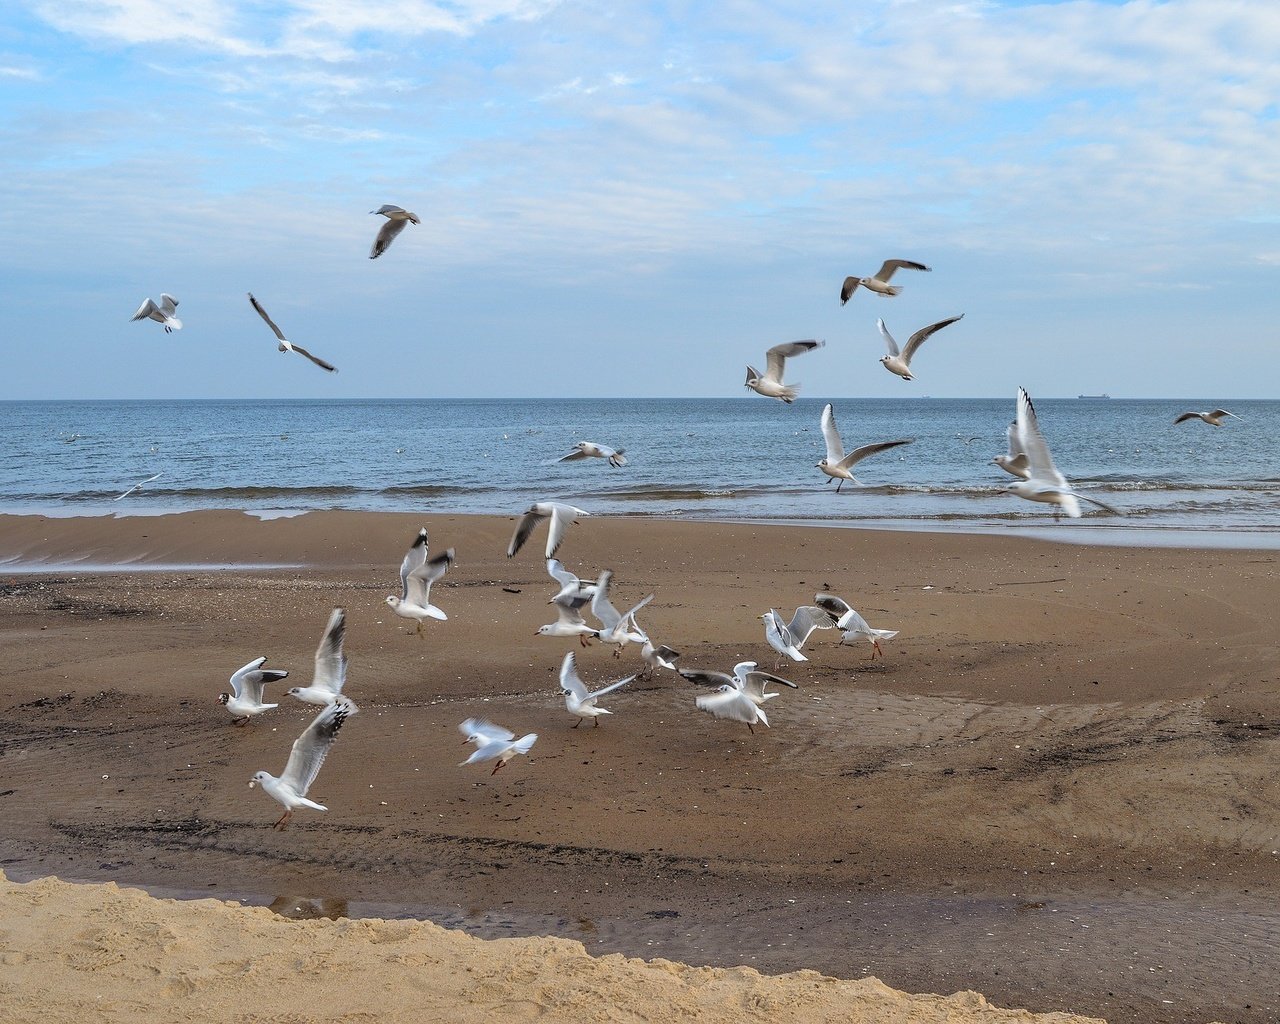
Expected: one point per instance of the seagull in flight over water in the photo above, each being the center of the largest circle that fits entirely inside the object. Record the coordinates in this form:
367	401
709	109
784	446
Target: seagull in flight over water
838	465
136	486
1044	482
591	450
1015	463
1214	419
770	383
899	362
161	314
285	344
397	218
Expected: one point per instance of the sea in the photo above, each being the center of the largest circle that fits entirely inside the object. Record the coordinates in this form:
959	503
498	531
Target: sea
727	459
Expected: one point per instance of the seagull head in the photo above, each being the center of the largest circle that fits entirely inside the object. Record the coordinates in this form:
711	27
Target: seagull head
753	377
293	691
393	601
223	698
258	777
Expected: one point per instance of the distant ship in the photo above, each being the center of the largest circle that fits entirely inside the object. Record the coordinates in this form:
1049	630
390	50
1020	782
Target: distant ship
1093	396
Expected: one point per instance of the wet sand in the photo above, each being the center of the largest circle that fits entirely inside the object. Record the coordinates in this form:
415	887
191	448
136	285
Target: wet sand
1059	788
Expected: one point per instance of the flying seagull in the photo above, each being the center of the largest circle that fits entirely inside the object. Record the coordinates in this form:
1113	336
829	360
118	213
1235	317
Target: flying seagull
770	383
578	700
308	754
740	696
900	362
330	665
1015	463
417	573
285	344
570	585
615	627
493	743
591	450
569	621
838	465
1044	482
137	486
1214	419
561	517
853	627
879	281
245	697
397	218
788	637
161	314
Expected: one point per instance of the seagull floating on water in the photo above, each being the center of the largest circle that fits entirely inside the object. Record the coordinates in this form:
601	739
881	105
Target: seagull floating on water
397	218
577	699
493	743
838	465
1214	419
770	383
561	516
308	754
330	665
787	638
417	573
591	450
899	362
879	281
245	698
1044	483
285	344
853	627
161	314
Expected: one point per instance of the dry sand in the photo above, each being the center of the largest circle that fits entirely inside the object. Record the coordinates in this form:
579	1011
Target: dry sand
1059	788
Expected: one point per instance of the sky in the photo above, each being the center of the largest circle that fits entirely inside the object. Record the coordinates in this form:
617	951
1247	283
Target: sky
639	199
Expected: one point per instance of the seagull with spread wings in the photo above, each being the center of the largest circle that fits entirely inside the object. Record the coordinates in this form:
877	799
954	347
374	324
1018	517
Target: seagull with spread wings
578	701
1044	482
417	573
561	516
161	314
1015	463
245	698
308	754
853	627
838	465
770	383
330	665
1214	419
591	450
493	743
787	638
285	344
739	697
899	360
879	281
397	218
615	627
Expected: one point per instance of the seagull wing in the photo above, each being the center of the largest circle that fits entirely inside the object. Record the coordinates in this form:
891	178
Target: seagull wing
323	364
867	450
331	663
778	355
1219	413
889	266
145	310
754	682
601	607
486	730
1184	416
731	704
429	572
569	678
1033	444
923	335
414	558
561	575
847	289
806	619
707	677
386	236
263	313
523	528
888	338
569	612
831	604
574	456
312	747
610	688
562	517
168	304
835	447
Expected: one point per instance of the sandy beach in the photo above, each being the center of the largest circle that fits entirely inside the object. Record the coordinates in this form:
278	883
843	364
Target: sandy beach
1058	788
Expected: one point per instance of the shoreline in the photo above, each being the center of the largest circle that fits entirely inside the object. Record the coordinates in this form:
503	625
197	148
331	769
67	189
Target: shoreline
1062	762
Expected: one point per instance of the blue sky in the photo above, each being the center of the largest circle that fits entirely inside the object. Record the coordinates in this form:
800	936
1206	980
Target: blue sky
639	199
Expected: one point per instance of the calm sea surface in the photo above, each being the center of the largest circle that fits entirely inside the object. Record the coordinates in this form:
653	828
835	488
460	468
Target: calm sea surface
740	458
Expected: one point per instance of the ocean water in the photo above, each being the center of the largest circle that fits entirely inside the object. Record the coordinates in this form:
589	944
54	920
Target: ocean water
730	459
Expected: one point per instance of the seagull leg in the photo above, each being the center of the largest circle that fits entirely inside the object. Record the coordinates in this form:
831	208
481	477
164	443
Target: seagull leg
582	639
752	728
496	768
240	721
284	820
577	723
838	486
597	722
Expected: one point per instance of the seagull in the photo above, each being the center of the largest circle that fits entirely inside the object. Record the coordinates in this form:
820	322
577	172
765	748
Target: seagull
1044	482
837	464
308	754
161	314
853	627
591	450
570	585
656	657
770	385
878	282
900	363
577	700
740	696
788	637
331	665
561	516
417	573
138	485
615	628
1214	419
1015	462
569	621
493	743
245	697
397	218
285	344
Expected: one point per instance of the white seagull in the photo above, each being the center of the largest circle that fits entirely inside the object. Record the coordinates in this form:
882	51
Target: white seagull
285	344
1044	483
136	486
838	465
308	754
245	698
397	218
770	383
879	281
161	314
899	362
493	743
615	627
570	585
591	450
569	621
1015	463
577	700
741	696
330	667
561	517
853	627
1214	419
788	637
417	573
661	656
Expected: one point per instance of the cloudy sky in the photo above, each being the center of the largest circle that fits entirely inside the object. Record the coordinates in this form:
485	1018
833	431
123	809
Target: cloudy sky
639	199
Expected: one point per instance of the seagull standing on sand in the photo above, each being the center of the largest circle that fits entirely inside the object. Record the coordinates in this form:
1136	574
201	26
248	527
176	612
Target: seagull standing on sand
330	665
879	281
837	465
591	450
770	383
137	486
285	344
899	362
739	697
1015	463
788	637
561	517
417	573
1214	419
1044	483
245	698
308	754
661	656
577	700
853	627
397	218
161	314
615	628
493	743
